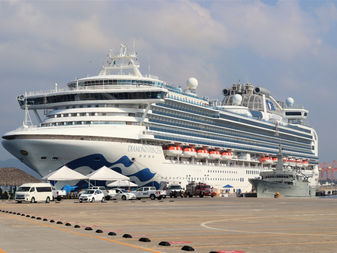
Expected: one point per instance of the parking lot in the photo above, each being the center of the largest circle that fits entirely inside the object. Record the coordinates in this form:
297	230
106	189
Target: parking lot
202	224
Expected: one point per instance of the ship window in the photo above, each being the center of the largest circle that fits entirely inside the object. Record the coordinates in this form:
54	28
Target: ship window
43	158
55	158
293	113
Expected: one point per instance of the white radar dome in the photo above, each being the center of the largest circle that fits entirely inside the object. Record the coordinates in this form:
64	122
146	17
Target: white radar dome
237	99
192	83
290	101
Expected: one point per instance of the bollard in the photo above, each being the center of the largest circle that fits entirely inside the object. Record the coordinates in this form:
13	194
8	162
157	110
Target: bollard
187	248
163	243
144	239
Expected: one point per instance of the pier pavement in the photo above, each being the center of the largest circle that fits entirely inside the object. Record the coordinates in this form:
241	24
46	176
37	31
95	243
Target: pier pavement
206	225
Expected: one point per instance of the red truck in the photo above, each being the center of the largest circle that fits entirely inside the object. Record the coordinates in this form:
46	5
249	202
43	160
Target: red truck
198	189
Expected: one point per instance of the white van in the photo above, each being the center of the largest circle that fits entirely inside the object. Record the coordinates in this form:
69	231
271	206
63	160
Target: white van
34	192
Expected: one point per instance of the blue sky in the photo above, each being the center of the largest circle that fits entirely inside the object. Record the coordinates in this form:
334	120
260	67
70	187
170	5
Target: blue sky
289	47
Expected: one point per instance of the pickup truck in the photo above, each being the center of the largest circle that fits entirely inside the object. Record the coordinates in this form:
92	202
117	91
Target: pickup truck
149	192
175	190
59	194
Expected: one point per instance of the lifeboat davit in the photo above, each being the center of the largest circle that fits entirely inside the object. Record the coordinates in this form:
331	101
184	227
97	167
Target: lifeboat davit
173	150
202	153
189	152
214	154
227	155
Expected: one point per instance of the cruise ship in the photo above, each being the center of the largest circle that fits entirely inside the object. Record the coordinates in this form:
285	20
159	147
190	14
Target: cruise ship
155	132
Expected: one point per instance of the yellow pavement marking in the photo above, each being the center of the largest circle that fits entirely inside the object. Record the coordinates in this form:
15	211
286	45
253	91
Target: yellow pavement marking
82	234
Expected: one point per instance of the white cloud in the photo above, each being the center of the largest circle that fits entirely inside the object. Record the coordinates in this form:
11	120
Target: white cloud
282	31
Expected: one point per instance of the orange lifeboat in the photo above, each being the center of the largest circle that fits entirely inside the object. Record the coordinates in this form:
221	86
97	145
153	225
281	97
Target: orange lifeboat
202	153
286	162
299	163
189	152
173	150
214	154
292	162
266	160
305	163
227	155
275	159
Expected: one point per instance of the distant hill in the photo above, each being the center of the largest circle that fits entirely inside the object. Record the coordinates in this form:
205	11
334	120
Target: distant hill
14	163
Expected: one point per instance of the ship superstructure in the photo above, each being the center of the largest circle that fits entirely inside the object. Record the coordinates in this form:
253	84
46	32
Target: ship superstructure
152	131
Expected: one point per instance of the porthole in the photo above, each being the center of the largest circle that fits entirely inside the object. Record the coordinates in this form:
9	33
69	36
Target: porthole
43	158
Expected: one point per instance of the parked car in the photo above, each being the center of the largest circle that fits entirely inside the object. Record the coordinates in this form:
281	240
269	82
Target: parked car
92	195
102	188
149	192
118	193
34	192
175	190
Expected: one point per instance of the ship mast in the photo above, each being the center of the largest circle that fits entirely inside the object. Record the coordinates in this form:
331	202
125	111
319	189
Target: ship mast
123	61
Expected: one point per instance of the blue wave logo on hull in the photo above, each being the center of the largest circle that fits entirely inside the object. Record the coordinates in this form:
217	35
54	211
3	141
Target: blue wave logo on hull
143	175
96	161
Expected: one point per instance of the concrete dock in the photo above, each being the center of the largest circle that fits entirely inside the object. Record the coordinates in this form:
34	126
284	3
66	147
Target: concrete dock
206	225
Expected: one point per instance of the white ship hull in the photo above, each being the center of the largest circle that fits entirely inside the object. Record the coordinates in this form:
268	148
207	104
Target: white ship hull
144	164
